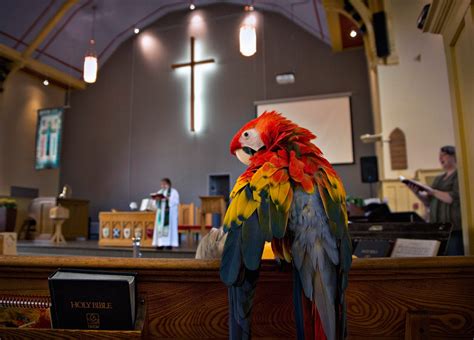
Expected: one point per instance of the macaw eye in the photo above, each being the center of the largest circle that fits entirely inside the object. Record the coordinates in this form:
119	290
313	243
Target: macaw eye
246	134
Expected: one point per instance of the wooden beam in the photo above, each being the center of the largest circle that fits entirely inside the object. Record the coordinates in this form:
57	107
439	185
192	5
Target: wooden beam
24	59
48	27
41	68
334	26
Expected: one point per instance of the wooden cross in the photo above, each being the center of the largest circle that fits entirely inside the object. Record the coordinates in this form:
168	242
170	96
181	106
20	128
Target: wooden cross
192	63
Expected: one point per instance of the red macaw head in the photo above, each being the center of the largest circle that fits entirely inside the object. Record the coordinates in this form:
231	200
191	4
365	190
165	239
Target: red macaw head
261	133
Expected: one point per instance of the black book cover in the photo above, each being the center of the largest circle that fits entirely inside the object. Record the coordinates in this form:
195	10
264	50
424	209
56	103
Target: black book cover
92	303
372	248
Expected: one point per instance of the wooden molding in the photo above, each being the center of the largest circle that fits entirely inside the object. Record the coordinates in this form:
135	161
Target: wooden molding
397	266
398	150
444	17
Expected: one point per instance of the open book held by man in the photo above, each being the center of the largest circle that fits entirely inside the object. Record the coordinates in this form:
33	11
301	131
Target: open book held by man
416	185
157	196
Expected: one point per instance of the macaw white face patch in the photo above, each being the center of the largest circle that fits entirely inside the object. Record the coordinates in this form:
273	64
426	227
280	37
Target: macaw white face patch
251	139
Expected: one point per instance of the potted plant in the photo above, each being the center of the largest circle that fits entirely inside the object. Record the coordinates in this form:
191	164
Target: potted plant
355	206
7	214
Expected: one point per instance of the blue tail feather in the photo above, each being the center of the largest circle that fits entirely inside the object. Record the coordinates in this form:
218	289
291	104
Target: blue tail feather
299	316
240	306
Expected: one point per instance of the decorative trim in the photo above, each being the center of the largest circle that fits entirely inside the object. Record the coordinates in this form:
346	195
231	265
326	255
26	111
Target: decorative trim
444	17
297	99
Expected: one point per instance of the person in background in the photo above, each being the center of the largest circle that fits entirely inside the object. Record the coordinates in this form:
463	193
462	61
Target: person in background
166	222
443	199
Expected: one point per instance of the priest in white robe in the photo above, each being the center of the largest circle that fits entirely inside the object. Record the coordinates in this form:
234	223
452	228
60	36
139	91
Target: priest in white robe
166	222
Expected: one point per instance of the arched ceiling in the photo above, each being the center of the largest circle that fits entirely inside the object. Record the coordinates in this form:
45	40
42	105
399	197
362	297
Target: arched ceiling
64	47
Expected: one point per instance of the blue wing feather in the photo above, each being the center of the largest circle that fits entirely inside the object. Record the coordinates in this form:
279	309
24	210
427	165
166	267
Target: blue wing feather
231	262
253	242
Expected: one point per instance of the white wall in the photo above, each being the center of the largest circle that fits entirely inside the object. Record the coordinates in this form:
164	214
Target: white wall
414	95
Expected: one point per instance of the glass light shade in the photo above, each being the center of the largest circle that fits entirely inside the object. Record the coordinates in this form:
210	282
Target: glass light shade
248	40
90	68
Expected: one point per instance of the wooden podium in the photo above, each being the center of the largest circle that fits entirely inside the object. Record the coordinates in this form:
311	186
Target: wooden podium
211	205
58	215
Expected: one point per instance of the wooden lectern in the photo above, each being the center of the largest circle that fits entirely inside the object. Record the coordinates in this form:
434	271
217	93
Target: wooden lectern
211	205
58	214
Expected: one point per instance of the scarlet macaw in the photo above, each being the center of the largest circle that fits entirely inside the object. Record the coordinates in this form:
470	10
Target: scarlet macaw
290	196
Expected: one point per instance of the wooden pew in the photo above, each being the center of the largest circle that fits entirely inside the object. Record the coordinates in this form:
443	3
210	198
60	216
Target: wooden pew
387	298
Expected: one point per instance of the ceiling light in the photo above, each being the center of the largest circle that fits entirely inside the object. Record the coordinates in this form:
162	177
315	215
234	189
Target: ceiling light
248	36
90	59
192	7
90	68
45	82
353	33
248	40
136	30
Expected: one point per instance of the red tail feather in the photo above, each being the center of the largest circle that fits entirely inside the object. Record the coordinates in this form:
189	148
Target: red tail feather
313	327
318	326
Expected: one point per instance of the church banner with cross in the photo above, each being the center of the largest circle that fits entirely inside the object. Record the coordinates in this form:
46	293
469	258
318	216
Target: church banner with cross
48	138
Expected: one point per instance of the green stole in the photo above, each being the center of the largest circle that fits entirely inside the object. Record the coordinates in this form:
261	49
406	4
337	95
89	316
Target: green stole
164	225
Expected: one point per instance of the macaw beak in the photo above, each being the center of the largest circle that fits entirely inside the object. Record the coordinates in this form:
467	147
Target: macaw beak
243	156
235	144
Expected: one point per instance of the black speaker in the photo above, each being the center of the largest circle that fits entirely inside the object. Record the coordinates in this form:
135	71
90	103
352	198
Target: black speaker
381	34
368	169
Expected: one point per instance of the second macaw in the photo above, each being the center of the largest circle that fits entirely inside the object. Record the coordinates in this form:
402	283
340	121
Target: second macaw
290	196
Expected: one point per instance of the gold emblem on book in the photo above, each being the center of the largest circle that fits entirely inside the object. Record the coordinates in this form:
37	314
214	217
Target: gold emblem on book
91	304
93	320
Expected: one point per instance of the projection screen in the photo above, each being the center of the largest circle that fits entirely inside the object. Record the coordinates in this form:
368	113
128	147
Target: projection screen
328	117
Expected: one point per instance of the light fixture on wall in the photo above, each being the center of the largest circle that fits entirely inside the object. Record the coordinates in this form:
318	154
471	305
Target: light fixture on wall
353	34
368	138
192	6
46	82
285	78
136	30
248	34
90	59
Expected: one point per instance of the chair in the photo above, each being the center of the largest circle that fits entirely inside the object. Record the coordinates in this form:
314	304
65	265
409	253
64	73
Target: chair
185	221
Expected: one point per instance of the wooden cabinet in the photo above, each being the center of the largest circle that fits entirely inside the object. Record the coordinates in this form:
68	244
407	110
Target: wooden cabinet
118	228
400	198
78	223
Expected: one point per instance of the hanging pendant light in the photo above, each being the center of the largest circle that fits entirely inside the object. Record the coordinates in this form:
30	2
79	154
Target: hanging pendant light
248	34
248	40
90	59
90	65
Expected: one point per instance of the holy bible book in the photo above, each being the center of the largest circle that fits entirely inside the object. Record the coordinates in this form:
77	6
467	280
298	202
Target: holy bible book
92	300
157	196
372	248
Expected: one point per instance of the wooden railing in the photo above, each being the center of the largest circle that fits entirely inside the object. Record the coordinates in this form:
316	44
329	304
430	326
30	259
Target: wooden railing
407	298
